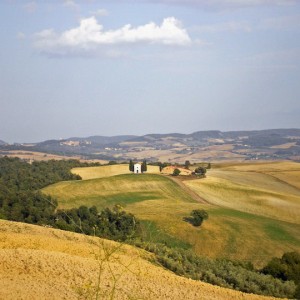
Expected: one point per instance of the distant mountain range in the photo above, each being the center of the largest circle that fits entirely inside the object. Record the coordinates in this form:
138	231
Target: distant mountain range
200	145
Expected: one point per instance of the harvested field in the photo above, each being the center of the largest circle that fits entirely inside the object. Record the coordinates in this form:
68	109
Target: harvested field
170	169
263	189
44	263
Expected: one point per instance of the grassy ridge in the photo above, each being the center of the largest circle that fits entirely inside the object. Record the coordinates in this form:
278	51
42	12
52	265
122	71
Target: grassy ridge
103	192
161	204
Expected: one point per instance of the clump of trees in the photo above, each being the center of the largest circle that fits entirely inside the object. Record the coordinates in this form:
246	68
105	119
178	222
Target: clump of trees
221	272
17	175
20	199
200	171
197	217
285	268
176	172
112	223
26	206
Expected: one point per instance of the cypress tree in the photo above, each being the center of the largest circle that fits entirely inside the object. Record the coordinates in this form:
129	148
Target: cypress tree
144	166
131	166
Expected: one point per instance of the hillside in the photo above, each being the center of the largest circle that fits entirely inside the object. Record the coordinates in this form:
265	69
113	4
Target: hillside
44	263
265	189
273	144
237	227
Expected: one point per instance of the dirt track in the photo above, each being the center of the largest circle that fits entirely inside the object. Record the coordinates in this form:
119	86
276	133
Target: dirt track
179	180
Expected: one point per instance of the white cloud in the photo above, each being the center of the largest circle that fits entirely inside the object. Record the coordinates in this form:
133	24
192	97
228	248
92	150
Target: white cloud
89	36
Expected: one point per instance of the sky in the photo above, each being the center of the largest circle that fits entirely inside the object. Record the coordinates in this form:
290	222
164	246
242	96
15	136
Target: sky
91	67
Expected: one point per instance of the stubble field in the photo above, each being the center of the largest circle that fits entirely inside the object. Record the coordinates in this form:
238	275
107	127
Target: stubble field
45	263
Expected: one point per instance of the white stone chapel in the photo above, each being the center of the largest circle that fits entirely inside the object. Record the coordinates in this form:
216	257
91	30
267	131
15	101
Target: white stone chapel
137	169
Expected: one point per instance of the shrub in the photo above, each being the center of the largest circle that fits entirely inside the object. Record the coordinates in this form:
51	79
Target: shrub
197	217
176	172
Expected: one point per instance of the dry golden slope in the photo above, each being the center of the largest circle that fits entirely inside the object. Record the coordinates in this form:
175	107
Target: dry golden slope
107	171
43	263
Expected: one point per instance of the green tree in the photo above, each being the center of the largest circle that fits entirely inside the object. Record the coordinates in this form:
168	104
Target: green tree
198	216
286	268
187	164
144	166
200	171
176	172
131	166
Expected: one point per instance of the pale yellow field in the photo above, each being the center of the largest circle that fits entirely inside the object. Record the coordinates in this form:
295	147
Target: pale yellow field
41	156
284	146
109	170
43	263
266	189
261	166
290	177
209	155
170	169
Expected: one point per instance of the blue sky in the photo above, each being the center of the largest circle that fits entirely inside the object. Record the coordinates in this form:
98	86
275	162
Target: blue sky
89	67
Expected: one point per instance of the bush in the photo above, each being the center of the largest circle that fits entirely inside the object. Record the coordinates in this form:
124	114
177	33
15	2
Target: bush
200	171
176	172
197	217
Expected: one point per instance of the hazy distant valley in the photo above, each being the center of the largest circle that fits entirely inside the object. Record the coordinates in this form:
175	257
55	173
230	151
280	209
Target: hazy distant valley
273	144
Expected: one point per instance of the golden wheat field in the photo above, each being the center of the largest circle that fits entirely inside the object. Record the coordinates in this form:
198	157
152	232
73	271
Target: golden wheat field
45	263
265	189
107	171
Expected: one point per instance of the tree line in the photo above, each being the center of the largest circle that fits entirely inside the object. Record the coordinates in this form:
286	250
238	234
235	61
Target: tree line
21	200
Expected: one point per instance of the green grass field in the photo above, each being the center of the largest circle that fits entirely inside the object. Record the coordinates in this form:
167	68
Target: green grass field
246	221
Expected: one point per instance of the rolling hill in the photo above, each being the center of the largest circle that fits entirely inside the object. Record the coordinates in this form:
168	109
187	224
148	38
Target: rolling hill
243	222
45	263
